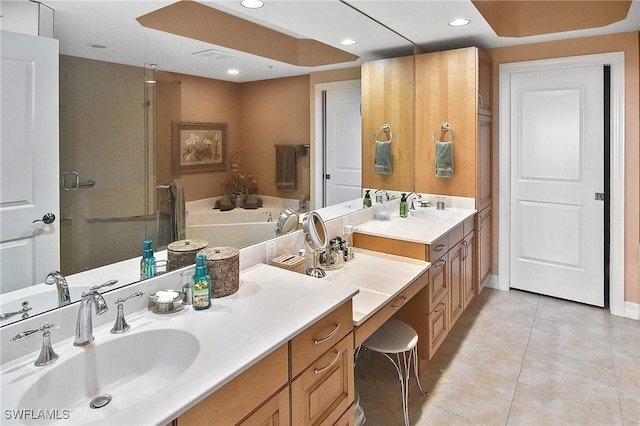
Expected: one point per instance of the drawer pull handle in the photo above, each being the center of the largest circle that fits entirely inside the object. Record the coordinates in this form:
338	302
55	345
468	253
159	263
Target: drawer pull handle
328	336
439	263
440	247
441	306
404	300
333	361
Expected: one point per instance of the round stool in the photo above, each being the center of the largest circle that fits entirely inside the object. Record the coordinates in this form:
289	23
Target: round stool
399	338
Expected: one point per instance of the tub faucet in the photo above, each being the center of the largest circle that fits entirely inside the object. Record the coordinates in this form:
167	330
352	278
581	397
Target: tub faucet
84	325
270	218
55	277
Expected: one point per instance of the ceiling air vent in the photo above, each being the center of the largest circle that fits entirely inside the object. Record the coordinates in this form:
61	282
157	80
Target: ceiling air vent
213	54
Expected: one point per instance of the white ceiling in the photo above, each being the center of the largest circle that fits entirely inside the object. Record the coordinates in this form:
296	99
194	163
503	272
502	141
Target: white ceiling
79	24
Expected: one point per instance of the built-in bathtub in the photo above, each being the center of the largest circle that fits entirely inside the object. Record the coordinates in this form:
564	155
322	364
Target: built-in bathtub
234	228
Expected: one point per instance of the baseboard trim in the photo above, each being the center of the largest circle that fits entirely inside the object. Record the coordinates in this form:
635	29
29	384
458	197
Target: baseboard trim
492	282
632	310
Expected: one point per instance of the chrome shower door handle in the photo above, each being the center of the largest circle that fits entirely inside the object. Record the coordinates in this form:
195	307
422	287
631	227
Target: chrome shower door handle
74	182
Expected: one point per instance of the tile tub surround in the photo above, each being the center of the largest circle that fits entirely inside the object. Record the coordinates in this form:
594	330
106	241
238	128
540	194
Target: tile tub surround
236	332
516	358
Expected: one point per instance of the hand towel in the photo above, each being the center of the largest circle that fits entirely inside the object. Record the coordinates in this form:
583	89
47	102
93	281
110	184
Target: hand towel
382	159
178	212
285	168
444	159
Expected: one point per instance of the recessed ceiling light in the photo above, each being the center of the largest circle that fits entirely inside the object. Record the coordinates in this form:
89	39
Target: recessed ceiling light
460	22
233	71
252	4
348	42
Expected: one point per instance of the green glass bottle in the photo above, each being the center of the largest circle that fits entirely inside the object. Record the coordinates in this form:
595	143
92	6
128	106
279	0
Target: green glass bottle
201	285
403	205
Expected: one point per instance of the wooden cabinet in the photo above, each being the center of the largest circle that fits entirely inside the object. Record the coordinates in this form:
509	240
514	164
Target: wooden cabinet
438	327
387	98
238	398
485	84
484	162
485	247
446	91
325	390
470	275
306	381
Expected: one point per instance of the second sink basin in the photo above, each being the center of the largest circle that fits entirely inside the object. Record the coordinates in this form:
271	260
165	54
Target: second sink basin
114	375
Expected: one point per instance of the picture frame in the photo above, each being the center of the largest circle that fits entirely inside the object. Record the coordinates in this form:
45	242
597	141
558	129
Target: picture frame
199	147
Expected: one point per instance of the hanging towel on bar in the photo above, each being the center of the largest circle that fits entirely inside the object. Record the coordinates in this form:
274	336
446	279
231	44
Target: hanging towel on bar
444	159
285	168
178	219
382	159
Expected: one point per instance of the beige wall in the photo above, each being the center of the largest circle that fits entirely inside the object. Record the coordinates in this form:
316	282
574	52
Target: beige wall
258	114
629	43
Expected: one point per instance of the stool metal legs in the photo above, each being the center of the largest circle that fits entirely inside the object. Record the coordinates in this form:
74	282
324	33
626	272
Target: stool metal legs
402	363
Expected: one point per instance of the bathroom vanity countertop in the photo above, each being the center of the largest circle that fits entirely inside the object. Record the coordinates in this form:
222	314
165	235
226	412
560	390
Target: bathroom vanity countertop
379	277
423	229
271	306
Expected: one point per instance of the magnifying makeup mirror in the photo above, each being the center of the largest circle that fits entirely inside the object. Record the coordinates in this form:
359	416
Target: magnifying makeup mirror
315	234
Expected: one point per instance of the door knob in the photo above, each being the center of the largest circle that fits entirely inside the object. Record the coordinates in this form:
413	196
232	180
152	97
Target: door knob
48	218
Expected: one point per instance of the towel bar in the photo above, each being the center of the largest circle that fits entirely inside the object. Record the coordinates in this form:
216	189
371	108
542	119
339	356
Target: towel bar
446	127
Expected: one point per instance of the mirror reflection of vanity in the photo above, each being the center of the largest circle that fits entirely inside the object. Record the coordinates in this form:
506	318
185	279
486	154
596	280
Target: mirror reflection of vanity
115	130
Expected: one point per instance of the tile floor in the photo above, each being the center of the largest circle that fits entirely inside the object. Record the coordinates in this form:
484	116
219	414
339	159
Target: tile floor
516	358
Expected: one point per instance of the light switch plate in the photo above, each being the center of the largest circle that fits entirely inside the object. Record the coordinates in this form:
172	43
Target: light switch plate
271	250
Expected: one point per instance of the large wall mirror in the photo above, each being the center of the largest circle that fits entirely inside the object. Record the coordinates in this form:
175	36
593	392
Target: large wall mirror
115	135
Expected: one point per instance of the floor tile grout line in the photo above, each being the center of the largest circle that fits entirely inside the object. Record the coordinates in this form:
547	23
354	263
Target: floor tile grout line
524	356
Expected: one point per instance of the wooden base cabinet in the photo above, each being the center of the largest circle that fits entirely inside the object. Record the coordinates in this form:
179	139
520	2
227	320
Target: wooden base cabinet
325	390
485	247
275	412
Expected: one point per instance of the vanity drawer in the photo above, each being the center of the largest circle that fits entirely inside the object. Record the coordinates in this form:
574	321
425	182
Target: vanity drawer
307	346
369	327
438	248
469	224
438	327
456	234
438	287
324	391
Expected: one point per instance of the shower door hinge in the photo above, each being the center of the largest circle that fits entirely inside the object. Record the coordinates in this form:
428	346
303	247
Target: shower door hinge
599	196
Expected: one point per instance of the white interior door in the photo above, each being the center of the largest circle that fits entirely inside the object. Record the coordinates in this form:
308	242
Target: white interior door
29	156
343	152
557	167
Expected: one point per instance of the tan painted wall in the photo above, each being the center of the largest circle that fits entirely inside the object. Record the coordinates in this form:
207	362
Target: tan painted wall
630	44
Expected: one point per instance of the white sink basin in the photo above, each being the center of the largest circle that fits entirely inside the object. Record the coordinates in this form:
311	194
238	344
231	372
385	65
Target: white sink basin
129	368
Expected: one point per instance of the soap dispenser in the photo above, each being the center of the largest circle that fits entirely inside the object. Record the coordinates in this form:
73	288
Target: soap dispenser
403	205
367	199
201	293
148	261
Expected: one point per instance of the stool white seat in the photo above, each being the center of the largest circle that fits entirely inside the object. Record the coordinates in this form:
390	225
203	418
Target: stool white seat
399	338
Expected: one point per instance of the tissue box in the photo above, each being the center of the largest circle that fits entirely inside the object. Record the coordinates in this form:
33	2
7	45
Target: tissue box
291	262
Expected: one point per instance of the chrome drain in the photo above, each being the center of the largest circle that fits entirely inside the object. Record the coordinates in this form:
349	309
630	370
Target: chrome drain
100	401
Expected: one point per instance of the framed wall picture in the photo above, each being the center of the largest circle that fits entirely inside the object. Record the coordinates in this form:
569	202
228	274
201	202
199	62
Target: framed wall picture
199	147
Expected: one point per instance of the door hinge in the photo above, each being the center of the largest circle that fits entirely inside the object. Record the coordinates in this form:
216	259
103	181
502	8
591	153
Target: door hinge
327	176
599	196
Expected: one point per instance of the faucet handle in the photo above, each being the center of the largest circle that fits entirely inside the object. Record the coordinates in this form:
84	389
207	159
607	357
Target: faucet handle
121	325
47	354
105	284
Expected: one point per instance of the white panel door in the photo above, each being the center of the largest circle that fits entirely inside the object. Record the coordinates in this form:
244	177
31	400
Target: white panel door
557	167
343	149
29	156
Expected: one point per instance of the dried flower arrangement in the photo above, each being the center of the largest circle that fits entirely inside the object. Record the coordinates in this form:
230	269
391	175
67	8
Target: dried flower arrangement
240	183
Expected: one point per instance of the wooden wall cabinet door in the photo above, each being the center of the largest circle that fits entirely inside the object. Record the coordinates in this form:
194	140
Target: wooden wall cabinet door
387	98
484	162
445	86
484	227
485	84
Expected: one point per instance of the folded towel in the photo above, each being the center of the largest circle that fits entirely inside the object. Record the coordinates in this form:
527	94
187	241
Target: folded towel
285	168
179	214
382	159
444	159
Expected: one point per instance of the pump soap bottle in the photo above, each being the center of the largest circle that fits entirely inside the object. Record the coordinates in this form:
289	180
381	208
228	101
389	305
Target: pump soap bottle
148	261
201	285
367	199
403	205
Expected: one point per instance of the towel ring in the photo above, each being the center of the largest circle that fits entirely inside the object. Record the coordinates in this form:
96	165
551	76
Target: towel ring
385	128
446	127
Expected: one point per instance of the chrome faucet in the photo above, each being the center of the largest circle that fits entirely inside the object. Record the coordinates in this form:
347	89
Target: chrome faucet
84	325
47	354
55	277
379	194
24	312
411	197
